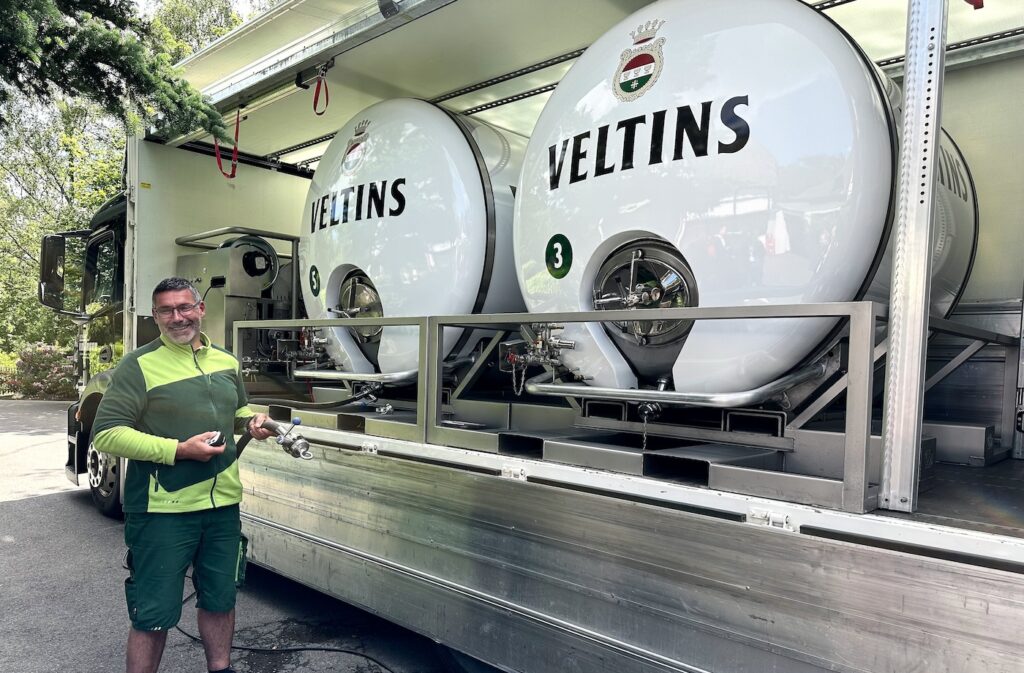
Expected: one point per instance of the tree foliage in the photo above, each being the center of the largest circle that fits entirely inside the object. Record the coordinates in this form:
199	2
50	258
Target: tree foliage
60	164
66	66
183	27
99	50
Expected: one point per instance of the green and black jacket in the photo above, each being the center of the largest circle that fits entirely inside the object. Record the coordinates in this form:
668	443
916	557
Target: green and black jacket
163	393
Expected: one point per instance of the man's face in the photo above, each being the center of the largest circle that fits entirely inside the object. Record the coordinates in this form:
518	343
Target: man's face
180	327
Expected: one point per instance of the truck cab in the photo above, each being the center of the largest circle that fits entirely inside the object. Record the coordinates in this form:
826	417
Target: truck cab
82	277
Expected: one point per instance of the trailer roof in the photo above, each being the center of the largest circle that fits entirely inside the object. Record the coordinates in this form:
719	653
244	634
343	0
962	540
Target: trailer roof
450	50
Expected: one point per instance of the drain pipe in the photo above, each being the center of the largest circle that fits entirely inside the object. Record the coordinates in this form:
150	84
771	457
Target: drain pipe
718	400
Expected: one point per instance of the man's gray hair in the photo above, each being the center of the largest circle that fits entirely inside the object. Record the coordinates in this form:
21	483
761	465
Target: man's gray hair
174	284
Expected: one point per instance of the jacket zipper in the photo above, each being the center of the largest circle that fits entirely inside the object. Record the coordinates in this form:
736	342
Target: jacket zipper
156	481
209	394
209	385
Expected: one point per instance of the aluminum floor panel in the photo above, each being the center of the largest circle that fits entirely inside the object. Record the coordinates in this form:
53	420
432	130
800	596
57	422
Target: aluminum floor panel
988	499
480	562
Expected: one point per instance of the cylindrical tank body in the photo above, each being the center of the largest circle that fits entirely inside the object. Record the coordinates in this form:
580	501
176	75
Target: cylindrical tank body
409	214
730	153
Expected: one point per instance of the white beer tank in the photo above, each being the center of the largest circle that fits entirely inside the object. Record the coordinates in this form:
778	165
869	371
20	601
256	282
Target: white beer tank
728	153
409	214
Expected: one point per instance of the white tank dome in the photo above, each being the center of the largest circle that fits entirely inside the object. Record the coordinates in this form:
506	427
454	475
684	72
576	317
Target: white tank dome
730	153
409	214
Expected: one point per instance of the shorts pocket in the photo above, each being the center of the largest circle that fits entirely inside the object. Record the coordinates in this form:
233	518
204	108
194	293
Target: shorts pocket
131	595
243	550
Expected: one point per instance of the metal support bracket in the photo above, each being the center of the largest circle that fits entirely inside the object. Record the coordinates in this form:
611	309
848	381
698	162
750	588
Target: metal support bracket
832	392
951	366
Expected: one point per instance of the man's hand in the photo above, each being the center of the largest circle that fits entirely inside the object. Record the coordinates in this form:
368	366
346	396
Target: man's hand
256	428
196	448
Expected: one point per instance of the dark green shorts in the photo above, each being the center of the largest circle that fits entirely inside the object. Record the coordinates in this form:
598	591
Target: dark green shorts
160	549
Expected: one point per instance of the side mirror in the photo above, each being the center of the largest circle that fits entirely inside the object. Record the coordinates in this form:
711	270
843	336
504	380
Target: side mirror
51	272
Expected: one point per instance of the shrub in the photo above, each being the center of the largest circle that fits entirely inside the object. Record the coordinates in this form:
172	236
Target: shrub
42	372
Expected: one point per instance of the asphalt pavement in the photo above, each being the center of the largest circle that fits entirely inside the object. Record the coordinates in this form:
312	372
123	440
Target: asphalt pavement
61	584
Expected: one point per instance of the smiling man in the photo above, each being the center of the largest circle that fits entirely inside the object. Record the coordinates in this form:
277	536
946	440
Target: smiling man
166	406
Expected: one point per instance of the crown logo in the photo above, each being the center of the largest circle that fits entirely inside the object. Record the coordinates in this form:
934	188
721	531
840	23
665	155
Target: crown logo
645	32
362	126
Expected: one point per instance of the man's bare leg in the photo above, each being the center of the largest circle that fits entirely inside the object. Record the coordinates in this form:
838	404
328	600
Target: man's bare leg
144	651
217	630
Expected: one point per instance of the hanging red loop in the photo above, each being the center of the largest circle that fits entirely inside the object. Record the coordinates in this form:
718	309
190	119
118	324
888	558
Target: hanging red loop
234	152
321	82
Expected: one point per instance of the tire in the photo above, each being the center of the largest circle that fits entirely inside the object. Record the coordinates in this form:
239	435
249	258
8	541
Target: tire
105	482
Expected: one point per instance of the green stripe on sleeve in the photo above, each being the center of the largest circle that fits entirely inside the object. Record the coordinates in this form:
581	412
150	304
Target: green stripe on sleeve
135	445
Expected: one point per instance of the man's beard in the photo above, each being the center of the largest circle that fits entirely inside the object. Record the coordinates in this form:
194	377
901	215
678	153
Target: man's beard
181	331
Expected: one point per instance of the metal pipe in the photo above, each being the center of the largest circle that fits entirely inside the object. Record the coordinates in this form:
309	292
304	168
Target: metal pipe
224	231
302	404
719	400
374	377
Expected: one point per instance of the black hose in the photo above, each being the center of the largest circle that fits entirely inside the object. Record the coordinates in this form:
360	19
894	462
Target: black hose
276	649
242	443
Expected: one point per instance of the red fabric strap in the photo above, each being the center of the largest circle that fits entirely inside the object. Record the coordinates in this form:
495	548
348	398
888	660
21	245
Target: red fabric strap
234	152
321	82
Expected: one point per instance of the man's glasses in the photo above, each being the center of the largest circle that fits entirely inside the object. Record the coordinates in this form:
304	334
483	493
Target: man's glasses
182	309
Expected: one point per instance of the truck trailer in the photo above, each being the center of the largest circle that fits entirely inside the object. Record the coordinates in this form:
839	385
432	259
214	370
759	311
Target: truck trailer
624	336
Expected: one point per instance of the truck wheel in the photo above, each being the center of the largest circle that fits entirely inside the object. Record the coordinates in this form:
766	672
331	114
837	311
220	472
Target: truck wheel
104	482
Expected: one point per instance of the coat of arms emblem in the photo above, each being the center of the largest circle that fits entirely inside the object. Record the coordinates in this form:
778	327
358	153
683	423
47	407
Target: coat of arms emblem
356	147
639	66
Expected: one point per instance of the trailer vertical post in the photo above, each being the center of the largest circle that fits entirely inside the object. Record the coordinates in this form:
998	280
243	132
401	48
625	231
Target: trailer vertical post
911	269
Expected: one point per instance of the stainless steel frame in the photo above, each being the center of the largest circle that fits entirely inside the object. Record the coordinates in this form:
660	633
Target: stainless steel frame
854	493
417	430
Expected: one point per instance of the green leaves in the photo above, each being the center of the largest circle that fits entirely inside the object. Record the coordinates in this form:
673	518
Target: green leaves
61	163
74	75
101	50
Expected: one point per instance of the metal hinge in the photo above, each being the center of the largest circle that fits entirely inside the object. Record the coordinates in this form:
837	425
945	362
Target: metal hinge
765	517
510	472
